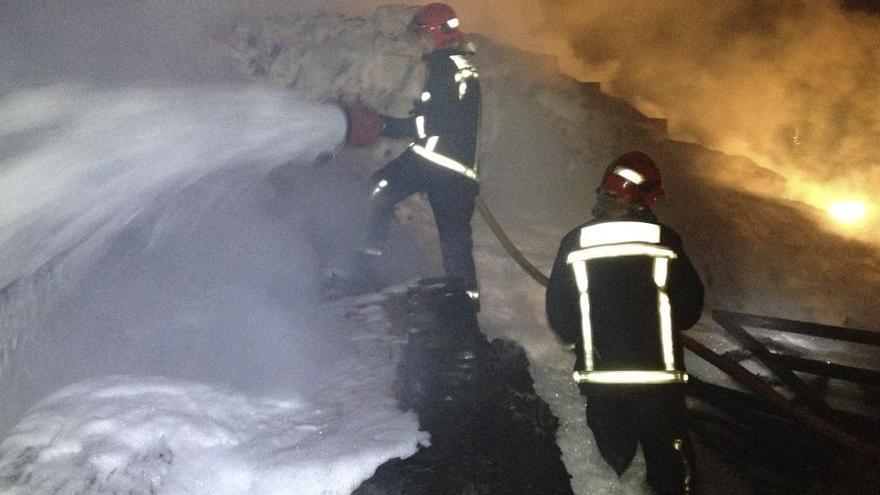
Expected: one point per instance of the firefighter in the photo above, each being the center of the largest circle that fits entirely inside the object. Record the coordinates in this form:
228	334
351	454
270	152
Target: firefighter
620	290
441	157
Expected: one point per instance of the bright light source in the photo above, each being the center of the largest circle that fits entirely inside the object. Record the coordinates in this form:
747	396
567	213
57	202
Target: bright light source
848	212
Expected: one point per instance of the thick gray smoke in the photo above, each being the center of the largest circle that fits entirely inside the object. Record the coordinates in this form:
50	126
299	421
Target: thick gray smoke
119	41
106	42
791	84
788	83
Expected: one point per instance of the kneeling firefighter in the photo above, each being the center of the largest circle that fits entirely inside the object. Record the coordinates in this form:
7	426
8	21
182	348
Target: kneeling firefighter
620	290
441	159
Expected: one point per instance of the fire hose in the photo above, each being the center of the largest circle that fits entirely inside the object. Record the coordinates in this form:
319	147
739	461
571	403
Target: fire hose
511	249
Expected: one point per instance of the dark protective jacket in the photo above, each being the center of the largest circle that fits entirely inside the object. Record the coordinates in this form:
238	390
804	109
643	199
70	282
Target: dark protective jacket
622	290
445	121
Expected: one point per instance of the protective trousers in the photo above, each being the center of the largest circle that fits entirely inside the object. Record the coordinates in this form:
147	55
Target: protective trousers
653	416
451	196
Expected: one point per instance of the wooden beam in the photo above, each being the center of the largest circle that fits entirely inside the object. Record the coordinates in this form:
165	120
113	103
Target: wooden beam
800	412
733	323
827	369
801	327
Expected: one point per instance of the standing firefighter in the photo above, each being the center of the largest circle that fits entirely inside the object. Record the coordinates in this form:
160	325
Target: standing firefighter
620	290
441	159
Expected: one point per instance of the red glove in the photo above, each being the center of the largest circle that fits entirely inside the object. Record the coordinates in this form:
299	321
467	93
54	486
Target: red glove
364	125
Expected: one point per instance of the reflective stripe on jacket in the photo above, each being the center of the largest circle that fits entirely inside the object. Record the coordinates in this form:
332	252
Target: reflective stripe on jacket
621	290
445	121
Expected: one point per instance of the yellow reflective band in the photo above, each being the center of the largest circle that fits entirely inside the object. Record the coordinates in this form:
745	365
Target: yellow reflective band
420	126
630	377
444	161
465	72
617	250
461	62
381	185
580	276
664	310
661	272
630	175
615	239
619	232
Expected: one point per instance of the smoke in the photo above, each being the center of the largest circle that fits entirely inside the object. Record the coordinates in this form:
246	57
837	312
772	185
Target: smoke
105	41
791	84
120	42
123	41
788	83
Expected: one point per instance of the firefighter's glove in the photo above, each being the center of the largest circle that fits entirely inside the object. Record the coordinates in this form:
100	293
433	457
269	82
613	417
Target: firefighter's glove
364	125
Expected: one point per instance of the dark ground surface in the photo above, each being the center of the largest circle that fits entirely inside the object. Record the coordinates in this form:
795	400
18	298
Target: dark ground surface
774	454
490	432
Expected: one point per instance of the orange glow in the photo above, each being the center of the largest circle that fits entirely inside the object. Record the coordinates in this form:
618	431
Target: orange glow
848	212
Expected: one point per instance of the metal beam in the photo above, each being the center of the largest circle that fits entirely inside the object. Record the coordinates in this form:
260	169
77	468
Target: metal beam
827	369
796	410
733	323
801	327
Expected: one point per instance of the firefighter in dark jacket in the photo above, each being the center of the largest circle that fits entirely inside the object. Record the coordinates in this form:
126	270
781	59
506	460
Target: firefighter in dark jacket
620	290
441	158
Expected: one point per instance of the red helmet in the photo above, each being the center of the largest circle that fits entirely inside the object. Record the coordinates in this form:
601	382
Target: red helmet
440	20
635	178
